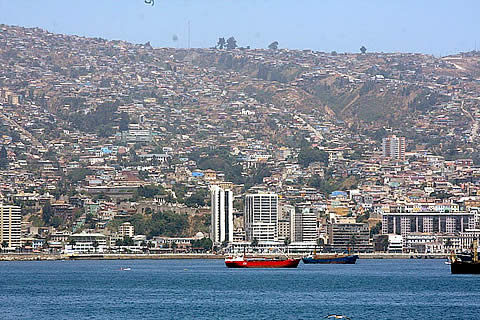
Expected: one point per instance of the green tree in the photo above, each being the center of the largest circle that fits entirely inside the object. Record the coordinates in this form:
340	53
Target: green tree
204	244
309	155
124	121
150	191
78	174
385	244
47	213
231	43
376	229
254	243
353	242
221	43
273	45
56	221
196	200
4	244
127	241
95	245
3	158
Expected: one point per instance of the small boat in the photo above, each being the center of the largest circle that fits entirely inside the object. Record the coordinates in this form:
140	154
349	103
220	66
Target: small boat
125	269
330	259
261	262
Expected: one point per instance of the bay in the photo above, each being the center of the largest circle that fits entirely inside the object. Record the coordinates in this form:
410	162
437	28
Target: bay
206	289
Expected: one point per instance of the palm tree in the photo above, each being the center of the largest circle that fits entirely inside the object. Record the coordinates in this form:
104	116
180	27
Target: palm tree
319	243
254	243
448	243
95	245
4	244
353	242
385	244
286	242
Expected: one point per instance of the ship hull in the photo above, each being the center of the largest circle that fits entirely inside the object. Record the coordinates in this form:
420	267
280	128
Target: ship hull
252	263
330	259
462	267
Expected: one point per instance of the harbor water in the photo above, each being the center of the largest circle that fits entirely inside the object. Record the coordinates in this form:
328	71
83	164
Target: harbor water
206	289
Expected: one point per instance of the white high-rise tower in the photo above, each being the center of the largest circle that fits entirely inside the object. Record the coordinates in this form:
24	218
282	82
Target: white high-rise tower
261	216
222	215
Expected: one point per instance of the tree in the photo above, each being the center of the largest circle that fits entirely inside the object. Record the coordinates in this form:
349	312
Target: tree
254	243
221	43
95	245
204	244
448	243
124	121
196	200
273	45
385	243
320	242
4	244
309	155
363	49
47	213
127	241
353	242
231	43
3	158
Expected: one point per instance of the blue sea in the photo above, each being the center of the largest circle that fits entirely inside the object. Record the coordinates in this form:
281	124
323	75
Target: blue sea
206	289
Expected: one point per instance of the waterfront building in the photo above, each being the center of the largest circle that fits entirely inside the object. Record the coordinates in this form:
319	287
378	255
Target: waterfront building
87	242
261	217
349	236
10	226
404	223
393	147
126	229
304	226
221	215
284	230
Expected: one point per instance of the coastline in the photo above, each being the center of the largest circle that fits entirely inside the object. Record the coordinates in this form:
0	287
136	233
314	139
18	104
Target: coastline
181	256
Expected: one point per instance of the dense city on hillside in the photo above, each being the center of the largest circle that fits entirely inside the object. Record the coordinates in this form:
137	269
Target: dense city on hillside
108	146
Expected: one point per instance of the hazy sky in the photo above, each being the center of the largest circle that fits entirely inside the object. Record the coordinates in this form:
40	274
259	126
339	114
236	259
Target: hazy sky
437	27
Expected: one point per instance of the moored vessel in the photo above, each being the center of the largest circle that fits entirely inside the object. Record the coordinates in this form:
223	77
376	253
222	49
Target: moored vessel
466	265
261	262
330	259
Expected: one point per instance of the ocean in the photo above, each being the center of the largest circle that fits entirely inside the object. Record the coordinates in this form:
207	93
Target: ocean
206	289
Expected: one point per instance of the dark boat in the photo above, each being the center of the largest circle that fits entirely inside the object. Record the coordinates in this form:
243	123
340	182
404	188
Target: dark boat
331	259
465	264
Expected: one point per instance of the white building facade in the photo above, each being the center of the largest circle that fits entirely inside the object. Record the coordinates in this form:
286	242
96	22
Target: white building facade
222	215
261	217
303	226
10	225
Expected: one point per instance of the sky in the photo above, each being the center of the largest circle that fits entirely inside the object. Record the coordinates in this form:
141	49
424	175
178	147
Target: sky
437	27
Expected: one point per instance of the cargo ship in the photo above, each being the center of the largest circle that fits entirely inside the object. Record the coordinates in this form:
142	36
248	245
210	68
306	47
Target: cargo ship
330	259
463	264
261	262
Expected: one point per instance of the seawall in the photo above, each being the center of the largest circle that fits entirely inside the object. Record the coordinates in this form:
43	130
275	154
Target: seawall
116	256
